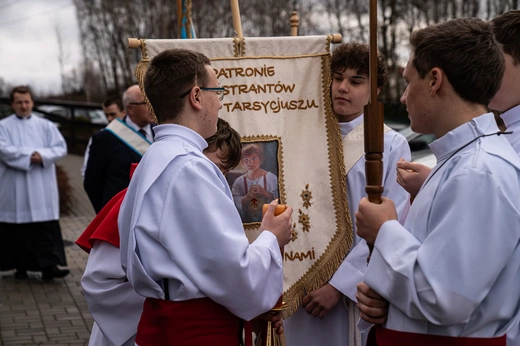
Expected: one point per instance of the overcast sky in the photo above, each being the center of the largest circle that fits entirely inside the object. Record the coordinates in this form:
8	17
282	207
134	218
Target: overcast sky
29	44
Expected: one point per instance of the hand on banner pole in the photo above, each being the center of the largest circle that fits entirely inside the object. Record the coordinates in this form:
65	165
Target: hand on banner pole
371	216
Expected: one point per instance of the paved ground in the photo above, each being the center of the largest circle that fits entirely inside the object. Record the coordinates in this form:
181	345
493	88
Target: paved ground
33	312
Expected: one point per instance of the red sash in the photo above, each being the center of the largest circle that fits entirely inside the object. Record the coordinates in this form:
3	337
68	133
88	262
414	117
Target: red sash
389	337
185	323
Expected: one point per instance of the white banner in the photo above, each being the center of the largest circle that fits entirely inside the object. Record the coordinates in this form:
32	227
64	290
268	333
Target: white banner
277	98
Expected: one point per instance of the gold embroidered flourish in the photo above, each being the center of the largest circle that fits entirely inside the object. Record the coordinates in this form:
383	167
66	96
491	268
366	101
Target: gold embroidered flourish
304	219
306	196
294	233
140	70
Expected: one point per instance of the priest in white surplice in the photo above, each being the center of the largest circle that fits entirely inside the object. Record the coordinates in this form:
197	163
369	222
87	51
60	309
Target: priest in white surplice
183	246
30	234
327	312
451	273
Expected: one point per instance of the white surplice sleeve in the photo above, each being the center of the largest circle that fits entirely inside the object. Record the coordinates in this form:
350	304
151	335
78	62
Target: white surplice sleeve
397	148
191	233
113	303
56	147
445	276
13	156
352	269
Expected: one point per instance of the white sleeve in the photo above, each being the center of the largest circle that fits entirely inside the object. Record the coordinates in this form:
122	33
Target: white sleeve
112	301
56	146
351	270
200	241
13	156
396	147
353	267
238	192
429	280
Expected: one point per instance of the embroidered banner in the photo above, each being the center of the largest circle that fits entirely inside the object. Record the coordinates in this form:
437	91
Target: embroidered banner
277	98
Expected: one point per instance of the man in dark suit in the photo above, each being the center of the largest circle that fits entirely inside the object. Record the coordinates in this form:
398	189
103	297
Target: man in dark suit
114	149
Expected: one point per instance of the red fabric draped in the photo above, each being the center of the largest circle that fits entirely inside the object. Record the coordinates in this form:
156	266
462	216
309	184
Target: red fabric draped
104	226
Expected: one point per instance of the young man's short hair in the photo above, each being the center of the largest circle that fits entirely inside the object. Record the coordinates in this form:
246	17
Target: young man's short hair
254	148
466	50
111	100
170	74
355	56
228	140
507	32
21	89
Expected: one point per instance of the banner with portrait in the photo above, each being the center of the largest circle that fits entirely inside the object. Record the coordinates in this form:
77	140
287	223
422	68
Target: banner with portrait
277	98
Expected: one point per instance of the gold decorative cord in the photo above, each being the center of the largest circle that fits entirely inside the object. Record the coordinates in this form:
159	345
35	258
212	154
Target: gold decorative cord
140	70
323	269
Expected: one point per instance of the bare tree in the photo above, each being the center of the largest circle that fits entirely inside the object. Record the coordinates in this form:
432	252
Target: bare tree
105	26
61	56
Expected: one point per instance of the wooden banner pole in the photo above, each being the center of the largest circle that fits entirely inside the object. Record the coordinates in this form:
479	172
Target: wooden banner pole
295	21
237	24
373	123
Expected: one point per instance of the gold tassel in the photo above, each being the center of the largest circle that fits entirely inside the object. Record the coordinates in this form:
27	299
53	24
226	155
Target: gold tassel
140	71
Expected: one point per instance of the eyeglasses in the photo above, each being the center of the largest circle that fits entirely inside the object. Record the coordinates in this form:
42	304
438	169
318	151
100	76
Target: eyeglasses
219	91
137	103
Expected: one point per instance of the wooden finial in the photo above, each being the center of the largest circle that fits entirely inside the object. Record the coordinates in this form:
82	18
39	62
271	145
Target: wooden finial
295	21
134	43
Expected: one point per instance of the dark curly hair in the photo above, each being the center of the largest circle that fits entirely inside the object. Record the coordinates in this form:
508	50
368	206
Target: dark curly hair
227	140
355	55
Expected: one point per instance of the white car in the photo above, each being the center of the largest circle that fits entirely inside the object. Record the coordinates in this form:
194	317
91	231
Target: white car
428	160
418	143
94	116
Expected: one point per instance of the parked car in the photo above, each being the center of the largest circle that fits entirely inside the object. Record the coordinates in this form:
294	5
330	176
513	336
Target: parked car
78	130
419	146
94	116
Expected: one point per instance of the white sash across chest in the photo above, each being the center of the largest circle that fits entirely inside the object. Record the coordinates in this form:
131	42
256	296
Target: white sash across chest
129	136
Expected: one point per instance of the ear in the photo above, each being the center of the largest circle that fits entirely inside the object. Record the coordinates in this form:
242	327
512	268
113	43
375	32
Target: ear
378	91
436	79
195	99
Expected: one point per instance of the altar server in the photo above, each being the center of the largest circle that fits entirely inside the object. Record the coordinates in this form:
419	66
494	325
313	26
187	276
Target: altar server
183	246
113	303
450	273
326	313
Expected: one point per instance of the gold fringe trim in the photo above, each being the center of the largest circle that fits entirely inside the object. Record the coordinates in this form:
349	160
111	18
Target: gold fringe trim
188	19
325	267
140	71
329	41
